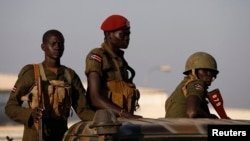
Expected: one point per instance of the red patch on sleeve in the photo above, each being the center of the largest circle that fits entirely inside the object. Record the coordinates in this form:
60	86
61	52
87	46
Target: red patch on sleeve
14	89
96	57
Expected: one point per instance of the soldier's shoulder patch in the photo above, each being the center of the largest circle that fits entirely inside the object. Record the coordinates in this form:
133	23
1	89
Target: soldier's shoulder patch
198	86
14	89
95	57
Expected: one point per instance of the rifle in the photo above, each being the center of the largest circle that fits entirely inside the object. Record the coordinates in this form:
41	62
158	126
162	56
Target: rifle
216	100
40	100
40	105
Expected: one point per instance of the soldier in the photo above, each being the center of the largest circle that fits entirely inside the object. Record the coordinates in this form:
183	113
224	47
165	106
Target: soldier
109	84
190	97
61	89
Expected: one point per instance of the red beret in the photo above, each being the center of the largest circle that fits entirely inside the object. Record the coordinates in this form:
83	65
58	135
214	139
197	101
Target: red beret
114	22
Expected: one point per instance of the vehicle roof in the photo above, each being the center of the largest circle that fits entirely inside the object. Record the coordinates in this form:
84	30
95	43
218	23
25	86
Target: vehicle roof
147	128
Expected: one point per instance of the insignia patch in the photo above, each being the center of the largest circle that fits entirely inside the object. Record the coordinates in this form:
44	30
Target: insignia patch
198	86
14	89
96	57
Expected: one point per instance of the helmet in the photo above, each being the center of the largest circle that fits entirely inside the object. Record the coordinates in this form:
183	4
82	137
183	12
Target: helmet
200	60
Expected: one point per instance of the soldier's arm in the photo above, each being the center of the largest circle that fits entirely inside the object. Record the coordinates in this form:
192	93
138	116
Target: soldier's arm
13	108
101	102
94	90
194	110
79	99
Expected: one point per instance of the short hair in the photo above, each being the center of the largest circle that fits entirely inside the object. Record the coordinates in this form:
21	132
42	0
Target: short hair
52	32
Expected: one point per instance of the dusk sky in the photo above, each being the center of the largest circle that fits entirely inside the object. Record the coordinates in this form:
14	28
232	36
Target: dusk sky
163	32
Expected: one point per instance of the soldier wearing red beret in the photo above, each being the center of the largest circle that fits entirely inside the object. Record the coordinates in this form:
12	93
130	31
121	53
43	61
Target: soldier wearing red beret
109	84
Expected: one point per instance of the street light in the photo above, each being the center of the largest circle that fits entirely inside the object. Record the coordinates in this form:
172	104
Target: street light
162	68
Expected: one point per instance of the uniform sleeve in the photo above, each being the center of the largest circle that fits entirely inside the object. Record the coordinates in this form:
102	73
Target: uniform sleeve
196	88
79	100
14	107
94	61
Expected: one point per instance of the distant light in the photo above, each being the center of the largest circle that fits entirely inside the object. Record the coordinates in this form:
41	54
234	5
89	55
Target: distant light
165	68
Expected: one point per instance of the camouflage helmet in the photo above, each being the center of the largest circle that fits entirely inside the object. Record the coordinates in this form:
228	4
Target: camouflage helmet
200	60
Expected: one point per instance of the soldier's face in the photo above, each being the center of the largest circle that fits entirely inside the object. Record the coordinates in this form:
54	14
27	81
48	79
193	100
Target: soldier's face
54	47
206	75
120	38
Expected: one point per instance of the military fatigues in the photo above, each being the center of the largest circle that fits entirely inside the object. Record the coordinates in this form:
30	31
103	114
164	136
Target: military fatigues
104	65
100	60
54	129
176	104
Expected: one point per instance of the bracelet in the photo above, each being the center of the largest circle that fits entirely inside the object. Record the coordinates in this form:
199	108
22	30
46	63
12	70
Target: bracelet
120	113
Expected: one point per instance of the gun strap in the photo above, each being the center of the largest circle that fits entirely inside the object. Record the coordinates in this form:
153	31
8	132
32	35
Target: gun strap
36	71
42	73
118	71
39	69
192	78
36	75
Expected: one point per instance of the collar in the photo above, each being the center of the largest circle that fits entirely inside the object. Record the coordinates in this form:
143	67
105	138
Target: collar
106	48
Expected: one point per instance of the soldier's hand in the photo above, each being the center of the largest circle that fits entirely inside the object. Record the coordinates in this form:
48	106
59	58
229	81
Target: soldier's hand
37	114
125	114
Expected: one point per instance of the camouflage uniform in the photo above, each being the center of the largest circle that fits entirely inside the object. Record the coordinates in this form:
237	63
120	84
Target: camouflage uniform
175	105
53	129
